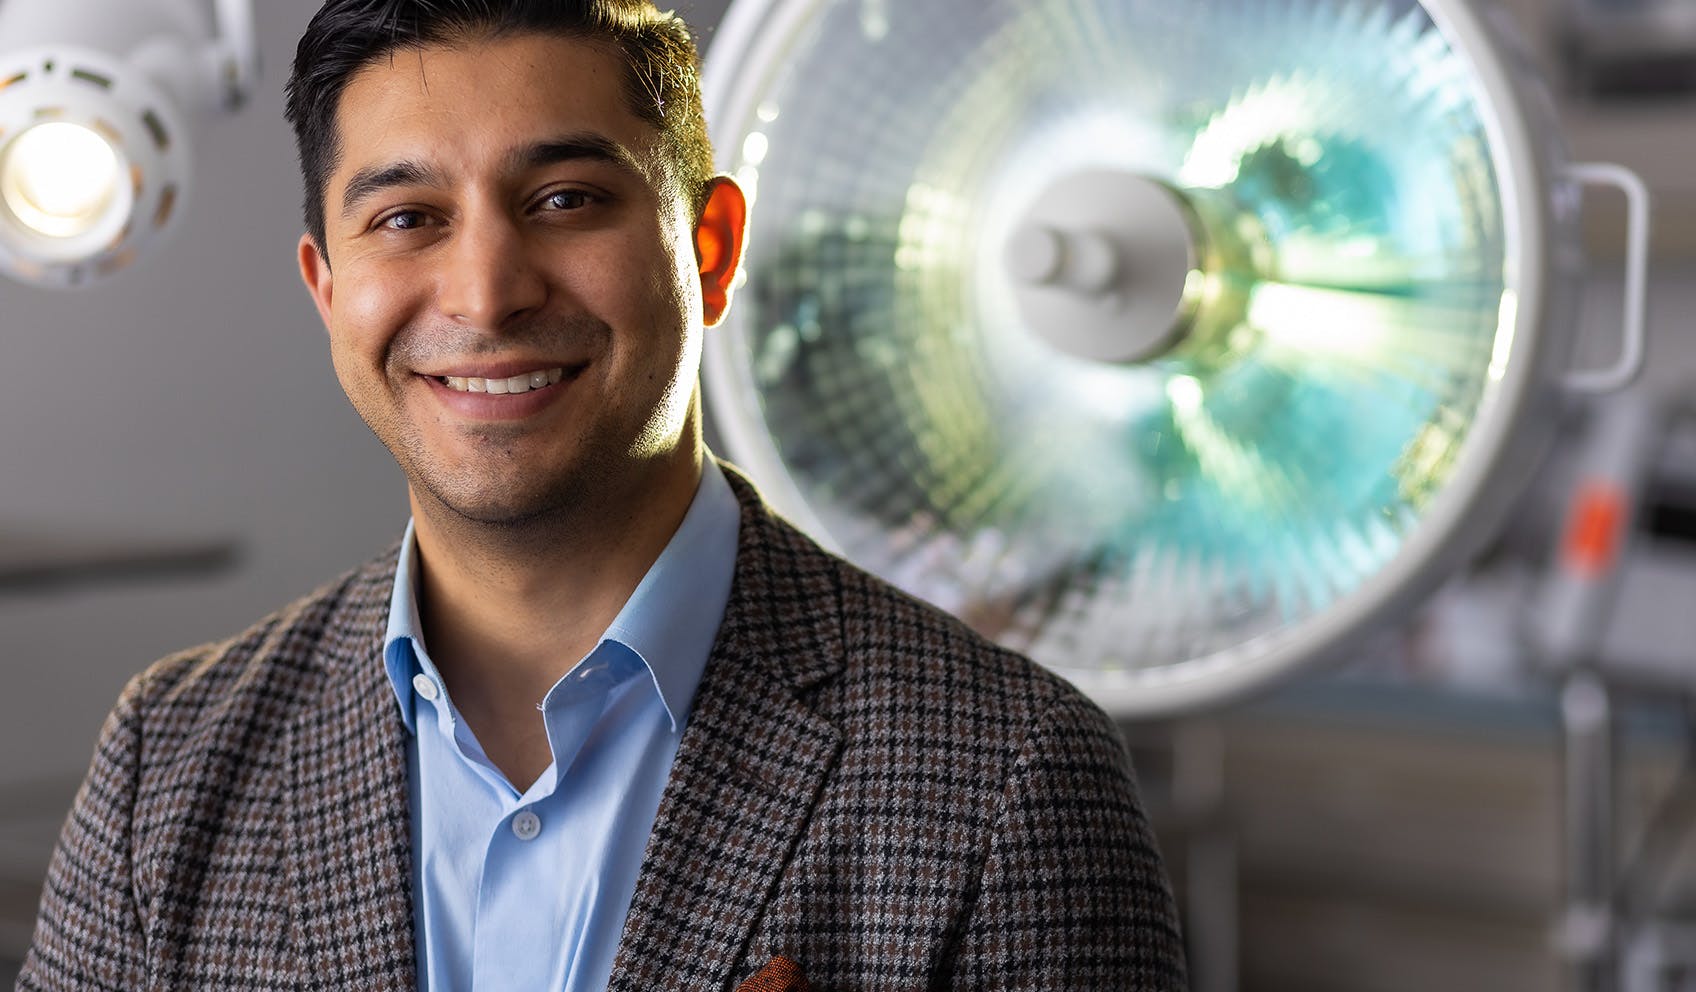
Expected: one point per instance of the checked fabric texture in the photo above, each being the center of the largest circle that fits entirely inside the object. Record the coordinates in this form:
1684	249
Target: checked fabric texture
865	788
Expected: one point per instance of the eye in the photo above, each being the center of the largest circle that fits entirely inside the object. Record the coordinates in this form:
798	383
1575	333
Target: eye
565	199
404	220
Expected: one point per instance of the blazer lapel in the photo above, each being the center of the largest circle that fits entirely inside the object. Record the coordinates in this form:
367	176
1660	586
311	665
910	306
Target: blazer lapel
349	834
748	772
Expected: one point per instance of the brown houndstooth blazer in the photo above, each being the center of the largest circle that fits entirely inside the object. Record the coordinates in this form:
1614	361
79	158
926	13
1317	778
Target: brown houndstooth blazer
864	787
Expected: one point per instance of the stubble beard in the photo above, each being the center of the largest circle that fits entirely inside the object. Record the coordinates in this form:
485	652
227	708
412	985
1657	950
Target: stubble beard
519	498
595	482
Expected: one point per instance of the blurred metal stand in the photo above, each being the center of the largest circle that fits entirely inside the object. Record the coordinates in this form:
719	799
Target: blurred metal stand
1210	855
1180	769
1608	933
1585	936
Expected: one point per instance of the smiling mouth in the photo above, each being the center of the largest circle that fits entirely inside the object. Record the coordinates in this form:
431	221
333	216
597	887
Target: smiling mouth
522	383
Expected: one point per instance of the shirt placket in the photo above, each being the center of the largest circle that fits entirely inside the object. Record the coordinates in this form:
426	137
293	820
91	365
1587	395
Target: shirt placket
520	908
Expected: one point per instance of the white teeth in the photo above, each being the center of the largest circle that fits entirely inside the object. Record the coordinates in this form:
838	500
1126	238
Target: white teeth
539	379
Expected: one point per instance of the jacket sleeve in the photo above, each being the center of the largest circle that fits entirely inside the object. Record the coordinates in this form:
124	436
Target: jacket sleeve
88	934
1073	894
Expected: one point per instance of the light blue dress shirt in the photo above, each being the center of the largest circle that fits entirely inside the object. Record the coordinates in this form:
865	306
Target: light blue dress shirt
528	888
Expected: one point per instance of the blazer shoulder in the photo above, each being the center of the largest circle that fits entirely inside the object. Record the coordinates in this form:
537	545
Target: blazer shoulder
899	655
271	667
909	663
903	651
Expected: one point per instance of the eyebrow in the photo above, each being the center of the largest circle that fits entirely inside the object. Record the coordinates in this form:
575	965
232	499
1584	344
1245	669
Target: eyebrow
573	147
372	180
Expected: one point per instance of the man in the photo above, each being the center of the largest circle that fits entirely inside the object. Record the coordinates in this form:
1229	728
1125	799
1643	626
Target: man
601	720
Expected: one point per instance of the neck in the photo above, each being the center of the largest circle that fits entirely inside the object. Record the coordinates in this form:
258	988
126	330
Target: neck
508	611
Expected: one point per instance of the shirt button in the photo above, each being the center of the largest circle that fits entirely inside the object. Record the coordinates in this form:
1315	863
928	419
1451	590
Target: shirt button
425	687
526	825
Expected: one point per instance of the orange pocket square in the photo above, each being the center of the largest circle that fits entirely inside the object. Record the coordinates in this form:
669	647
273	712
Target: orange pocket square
779	975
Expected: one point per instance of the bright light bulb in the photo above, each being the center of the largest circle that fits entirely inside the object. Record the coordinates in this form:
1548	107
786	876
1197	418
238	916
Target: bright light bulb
1186	394
59	179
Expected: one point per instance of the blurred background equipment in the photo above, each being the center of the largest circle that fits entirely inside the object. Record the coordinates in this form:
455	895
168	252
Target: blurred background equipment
1171	345
1178	346
1629	49
96	106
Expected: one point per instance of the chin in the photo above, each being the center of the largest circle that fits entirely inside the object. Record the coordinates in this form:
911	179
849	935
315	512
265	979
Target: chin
599	483
517	505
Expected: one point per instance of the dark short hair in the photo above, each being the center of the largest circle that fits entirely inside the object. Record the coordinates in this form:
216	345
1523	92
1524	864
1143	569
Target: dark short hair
662	79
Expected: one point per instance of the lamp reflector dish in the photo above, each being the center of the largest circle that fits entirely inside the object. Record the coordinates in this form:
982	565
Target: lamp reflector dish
1183	511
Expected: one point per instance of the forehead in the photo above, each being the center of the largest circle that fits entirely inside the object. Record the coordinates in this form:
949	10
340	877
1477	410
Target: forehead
465	105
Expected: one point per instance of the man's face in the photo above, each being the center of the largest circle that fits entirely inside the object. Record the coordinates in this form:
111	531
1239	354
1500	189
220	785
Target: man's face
513	293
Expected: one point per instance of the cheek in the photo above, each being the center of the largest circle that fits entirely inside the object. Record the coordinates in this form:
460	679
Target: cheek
655	273
688	273
352	372
365	313
639	292
673	293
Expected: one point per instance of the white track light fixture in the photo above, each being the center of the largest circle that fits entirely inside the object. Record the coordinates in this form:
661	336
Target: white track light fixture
96	98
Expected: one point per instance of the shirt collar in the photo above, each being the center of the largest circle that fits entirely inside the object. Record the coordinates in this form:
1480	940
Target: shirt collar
669	622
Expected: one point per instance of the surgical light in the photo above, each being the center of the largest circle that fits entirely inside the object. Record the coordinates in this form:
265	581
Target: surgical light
1174	344
97	100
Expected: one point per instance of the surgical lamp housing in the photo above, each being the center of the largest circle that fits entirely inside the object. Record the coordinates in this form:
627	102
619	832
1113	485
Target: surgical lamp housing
96	100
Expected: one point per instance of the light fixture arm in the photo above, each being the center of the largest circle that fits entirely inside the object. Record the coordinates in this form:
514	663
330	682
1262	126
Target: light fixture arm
211	74
236	44
205	52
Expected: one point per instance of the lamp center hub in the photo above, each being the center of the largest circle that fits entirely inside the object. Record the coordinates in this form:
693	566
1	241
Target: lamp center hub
1100	265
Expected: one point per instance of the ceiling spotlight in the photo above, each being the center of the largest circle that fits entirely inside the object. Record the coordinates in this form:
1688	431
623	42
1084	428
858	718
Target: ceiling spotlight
59	179
96	102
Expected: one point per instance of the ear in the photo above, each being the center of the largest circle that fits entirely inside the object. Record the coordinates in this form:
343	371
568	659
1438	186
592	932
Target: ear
718	246
315	272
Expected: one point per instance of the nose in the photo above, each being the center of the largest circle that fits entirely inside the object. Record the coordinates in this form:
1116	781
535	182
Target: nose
489	278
